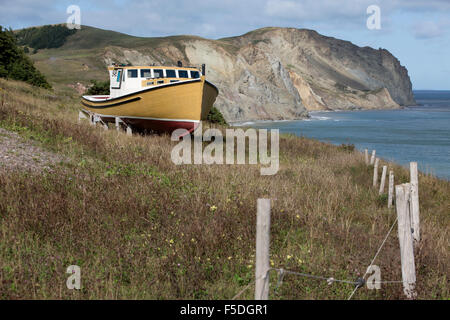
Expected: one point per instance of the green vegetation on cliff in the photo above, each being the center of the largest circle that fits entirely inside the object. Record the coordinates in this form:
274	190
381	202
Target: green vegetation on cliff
45	37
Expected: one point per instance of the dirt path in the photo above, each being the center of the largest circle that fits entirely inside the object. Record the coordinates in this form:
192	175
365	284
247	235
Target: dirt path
17	153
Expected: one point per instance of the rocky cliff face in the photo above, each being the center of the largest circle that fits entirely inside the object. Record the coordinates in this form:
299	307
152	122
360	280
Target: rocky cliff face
281	73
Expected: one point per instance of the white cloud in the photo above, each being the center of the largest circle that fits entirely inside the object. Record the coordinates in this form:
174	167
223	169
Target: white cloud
284	8
428	29
313	10
215	19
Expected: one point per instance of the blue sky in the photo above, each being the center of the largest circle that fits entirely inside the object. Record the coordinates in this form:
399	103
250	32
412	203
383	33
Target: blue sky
417	32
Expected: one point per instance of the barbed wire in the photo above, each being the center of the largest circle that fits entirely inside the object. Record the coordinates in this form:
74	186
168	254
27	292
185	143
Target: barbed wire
360	282
243	290
376	255
330	280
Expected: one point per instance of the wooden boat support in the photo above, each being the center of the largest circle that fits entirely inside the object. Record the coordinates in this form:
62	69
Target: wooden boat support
96	119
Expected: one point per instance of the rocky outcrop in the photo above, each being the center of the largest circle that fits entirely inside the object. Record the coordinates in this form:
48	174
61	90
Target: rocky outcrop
332	74
280	73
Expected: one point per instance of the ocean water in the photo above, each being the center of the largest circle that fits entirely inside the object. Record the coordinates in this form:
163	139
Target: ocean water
419	133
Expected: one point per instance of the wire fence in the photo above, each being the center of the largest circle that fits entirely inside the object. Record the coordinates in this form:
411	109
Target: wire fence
359	283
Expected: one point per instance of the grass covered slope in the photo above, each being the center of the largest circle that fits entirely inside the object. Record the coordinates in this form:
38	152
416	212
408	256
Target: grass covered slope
142	228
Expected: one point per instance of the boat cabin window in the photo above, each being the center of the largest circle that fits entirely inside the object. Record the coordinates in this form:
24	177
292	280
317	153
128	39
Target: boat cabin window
146	73
160	81
195	74
171	74
183	74
132	73
158	73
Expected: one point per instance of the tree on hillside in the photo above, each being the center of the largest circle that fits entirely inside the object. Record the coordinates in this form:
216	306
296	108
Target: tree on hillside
44	37
15	64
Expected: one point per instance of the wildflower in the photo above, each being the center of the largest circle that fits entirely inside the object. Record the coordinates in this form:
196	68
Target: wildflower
289	257
213	208
171	241
297	216
230	257
272	263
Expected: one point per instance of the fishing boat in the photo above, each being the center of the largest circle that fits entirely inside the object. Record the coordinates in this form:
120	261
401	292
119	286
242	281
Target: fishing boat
153	98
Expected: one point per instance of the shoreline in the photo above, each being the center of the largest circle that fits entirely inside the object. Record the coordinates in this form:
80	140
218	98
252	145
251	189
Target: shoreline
242	123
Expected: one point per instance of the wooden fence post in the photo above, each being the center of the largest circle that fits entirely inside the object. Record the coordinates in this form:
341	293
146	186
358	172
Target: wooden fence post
391	188
81	115
372	159
129	131
406	240
262	249
375	172
414	204
366	156
383	180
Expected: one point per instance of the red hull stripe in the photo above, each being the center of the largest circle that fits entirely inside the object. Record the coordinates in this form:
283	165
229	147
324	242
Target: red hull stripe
160	125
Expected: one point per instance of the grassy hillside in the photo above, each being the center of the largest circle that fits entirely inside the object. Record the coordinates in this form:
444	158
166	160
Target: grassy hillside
142	228
80	58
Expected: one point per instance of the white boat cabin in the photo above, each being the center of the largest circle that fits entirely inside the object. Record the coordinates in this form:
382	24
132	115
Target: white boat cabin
129	79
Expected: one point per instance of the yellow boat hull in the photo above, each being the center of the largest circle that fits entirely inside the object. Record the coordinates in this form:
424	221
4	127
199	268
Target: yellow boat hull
160	108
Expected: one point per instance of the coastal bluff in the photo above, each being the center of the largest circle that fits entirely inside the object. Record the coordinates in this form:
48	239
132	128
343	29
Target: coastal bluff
266	74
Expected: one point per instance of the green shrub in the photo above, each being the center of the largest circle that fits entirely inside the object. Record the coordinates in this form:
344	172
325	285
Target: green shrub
15	64
215	116
98	88
347	147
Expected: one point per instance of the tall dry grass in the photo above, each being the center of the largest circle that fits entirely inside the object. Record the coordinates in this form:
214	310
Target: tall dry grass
142	228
